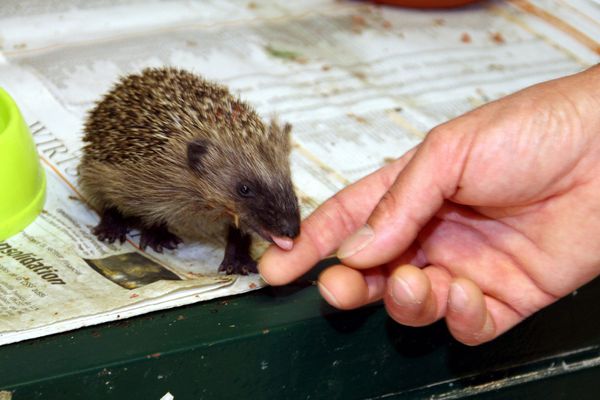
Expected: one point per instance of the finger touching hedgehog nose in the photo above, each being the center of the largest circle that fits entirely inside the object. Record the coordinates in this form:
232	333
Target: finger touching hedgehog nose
323	232
288	230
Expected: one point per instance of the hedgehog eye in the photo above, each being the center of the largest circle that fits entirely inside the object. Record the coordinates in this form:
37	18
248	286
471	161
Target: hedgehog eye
245	190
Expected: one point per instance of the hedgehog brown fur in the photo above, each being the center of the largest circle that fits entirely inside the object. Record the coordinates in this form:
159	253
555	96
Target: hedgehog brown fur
173	154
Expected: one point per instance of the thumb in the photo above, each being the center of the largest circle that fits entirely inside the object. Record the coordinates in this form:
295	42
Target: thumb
411	201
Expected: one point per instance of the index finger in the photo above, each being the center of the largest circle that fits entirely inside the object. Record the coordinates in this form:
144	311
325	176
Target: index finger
326	228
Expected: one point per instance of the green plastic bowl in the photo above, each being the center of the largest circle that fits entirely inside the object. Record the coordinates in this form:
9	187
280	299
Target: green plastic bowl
22	179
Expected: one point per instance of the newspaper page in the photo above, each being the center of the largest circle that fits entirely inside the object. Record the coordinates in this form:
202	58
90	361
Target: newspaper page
361	84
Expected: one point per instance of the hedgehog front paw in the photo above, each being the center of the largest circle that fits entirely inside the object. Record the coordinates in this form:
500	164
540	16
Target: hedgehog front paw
243	266
110	233
113	226
158	238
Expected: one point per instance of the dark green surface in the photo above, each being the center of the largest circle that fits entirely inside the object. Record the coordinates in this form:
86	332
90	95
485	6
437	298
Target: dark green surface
285	343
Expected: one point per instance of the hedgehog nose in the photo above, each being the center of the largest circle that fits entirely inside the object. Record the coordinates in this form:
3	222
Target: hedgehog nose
291	227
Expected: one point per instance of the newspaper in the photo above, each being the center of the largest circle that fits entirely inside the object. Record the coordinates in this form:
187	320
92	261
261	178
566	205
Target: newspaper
361	84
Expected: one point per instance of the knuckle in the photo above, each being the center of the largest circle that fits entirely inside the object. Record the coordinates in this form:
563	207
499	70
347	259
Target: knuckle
342	214
439	139
438	134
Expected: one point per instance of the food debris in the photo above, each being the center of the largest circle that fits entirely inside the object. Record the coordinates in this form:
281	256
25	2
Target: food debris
465	38
181	317
252	5
265	331
123	324
20	46
482	94
358	24
153	355
360	75
252	285
5	395
325	67
498	38
286	54
134	295
386	24
439	21
191	43
388	160
358	118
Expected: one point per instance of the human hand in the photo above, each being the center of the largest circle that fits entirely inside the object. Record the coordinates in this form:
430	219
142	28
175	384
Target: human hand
495	215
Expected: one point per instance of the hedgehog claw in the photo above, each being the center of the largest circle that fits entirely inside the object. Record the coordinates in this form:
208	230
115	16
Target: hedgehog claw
158	238
240	267
237	259
112	226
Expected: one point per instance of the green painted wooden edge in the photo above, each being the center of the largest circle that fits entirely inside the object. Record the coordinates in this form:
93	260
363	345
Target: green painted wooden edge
285	343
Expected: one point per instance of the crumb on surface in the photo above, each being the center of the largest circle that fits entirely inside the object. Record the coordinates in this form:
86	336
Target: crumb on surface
357	118
5	395
358	23
360	75
498	38
286	54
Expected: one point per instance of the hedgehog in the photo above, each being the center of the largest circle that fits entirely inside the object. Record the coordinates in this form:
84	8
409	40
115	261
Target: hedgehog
175	155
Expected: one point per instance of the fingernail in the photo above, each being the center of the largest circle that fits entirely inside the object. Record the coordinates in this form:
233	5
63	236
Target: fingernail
488	329
356	242
328	296
457	298
401	292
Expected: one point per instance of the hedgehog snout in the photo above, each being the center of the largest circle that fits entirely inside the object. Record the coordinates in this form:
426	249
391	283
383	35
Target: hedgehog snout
290	227
287	230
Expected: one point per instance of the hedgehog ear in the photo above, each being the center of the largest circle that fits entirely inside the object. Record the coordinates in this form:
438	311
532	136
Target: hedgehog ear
195	151
282	135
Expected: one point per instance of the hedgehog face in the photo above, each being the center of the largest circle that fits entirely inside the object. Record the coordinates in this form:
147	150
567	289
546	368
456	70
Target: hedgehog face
254	183
270	209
